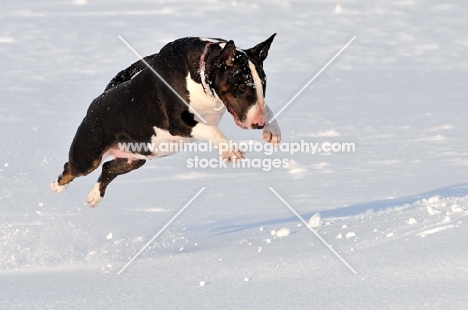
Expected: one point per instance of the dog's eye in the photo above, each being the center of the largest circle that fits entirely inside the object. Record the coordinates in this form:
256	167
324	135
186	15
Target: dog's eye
243	87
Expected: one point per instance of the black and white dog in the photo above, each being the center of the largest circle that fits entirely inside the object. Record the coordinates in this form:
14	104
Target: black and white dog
211	75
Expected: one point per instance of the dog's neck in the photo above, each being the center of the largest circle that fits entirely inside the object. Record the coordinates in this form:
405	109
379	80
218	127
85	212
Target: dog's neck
206	86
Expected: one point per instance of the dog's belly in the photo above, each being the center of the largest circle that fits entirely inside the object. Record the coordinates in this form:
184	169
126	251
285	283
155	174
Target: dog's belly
162	144
166	144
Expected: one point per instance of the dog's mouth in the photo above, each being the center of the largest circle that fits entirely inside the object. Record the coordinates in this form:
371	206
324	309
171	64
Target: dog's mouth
236	118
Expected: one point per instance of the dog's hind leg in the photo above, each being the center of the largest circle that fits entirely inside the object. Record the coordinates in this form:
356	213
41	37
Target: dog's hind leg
63	180
110	170
70	172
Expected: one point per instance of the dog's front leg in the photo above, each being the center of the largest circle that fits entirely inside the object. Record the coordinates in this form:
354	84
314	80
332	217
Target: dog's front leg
271	131
211	133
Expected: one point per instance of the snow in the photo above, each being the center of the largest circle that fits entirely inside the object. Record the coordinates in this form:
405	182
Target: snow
398	92
431	210
350	234
315	220
283	232
434	230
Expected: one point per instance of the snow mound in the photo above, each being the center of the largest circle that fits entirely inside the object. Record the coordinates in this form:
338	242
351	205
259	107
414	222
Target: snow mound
283	232
315	220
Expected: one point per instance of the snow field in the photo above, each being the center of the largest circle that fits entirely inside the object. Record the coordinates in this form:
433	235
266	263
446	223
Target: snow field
395	208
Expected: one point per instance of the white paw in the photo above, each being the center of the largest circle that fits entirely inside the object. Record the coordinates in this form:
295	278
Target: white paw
94	197
232	155
272	133
54	186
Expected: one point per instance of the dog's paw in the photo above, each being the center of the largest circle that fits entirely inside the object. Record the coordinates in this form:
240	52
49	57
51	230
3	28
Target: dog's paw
54	186
94	197
271	133
233	155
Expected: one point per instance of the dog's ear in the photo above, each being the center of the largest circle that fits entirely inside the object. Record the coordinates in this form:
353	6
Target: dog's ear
260	51
227	54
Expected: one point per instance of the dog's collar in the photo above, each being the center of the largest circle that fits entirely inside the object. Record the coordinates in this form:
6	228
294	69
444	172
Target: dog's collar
206	87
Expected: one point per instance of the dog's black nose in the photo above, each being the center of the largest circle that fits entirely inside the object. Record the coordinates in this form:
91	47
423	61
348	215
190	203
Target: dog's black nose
257	126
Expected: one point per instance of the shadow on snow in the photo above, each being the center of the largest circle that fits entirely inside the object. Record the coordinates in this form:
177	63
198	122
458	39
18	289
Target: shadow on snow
458	190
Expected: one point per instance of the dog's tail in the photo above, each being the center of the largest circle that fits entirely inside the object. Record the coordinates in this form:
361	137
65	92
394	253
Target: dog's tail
127	74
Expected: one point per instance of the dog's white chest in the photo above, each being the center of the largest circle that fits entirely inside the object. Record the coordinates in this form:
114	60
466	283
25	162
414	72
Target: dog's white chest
210	108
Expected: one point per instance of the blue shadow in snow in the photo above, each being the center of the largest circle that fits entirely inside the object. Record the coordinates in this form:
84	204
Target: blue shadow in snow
458	190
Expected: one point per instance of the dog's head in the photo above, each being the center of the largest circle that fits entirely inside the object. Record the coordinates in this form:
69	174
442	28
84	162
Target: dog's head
240	82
